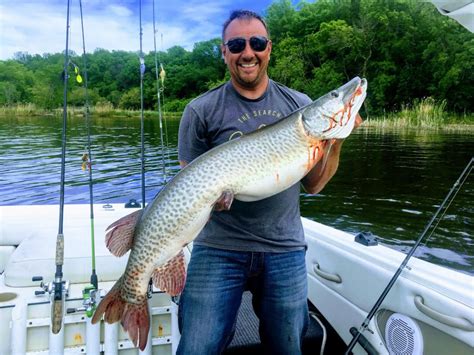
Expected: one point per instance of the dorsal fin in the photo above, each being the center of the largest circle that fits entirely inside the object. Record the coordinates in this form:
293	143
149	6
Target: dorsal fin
119	238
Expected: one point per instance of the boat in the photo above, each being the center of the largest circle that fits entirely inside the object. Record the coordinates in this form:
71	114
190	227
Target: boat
430	309
461	11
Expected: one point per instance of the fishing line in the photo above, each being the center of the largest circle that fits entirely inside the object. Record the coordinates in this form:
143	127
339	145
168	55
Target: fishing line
442	209
162	75
142	120
94	280
158	95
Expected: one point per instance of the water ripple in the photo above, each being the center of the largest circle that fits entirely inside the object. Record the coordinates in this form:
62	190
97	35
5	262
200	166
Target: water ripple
390	183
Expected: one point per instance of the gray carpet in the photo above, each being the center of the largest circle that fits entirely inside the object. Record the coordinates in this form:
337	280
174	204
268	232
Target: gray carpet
246	340
246	331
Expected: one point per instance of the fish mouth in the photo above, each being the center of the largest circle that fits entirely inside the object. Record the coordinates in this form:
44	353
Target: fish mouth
353	99
334	114
350	89
353	95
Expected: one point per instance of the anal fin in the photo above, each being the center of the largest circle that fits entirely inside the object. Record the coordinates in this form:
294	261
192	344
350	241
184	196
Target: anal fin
171	276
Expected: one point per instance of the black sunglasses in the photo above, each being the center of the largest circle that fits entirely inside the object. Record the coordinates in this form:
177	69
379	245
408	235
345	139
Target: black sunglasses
237	44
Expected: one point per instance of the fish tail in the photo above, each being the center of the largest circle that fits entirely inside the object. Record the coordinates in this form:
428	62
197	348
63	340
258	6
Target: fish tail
136	321
133	316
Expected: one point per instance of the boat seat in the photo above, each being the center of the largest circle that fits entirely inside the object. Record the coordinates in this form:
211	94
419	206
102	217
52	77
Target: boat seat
5	253
35	255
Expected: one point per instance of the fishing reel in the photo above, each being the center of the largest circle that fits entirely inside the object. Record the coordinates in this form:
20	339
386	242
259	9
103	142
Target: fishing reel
58	291
50	287
90	299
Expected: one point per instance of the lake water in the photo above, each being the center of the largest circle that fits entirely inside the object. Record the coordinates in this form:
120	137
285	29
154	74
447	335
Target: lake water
389	182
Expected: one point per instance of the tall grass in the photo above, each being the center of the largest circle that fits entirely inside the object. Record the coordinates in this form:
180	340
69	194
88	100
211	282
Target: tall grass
424	113
99	110
23	110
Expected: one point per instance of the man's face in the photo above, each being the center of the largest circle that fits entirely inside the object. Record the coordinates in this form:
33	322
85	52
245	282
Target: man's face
248	69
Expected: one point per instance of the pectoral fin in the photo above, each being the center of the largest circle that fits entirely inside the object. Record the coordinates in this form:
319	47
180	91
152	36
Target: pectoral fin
224	202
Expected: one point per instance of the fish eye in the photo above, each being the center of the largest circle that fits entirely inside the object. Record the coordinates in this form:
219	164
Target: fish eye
334	94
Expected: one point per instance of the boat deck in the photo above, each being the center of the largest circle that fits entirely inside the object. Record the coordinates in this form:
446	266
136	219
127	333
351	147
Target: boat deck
246	340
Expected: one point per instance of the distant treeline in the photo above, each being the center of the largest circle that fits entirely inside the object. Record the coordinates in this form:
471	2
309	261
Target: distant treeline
406	50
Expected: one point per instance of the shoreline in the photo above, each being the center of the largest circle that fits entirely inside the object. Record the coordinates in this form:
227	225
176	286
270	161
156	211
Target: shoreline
407	118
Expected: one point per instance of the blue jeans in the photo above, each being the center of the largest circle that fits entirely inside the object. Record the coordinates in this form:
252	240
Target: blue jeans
211	299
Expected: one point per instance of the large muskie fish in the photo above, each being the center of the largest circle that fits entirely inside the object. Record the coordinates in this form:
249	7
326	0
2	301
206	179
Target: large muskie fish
250	168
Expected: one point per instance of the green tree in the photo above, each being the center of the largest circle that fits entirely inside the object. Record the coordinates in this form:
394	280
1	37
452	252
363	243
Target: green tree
289	66
131	99
405	49
15	80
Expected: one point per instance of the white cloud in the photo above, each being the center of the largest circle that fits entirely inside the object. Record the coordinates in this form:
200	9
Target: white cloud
31	28
119	10
38	26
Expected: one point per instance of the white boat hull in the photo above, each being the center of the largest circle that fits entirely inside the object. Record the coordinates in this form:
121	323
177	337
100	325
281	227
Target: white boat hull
365	271
344	278
27	239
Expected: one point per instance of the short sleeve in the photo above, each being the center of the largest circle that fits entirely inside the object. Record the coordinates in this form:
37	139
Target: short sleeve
192	140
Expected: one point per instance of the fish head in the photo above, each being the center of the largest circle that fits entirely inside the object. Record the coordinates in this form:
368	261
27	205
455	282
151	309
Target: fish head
333	115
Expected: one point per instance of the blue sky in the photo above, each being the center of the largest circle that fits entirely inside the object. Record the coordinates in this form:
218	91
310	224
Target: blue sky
38	26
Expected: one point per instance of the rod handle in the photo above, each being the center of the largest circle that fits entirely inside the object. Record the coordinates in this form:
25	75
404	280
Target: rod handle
56	316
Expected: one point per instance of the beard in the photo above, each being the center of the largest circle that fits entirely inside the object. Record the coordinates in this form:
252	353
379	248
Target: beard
250	81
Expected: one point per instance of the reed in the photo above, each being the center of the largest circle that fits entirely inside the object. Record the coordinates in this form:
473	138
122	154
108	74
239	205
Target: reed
99	110
28	109
424	113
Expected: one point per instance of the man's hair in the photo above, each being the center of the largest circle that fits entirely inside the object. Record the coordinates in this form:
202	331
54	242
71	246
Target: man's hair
243	15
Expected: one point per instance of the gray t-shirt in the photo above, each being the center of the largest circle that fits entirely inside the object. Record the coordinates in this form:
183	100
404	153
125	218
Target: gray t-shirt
269	225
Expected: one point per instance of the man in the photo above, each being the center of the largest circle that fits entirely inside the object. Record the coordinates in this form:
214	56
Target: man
258	245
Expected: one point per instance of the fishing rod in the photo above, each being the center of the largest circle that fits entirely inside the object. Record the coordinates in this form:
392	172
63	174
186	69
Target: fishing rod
142	120
58	286
162	77
431	225
94	280
158	94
